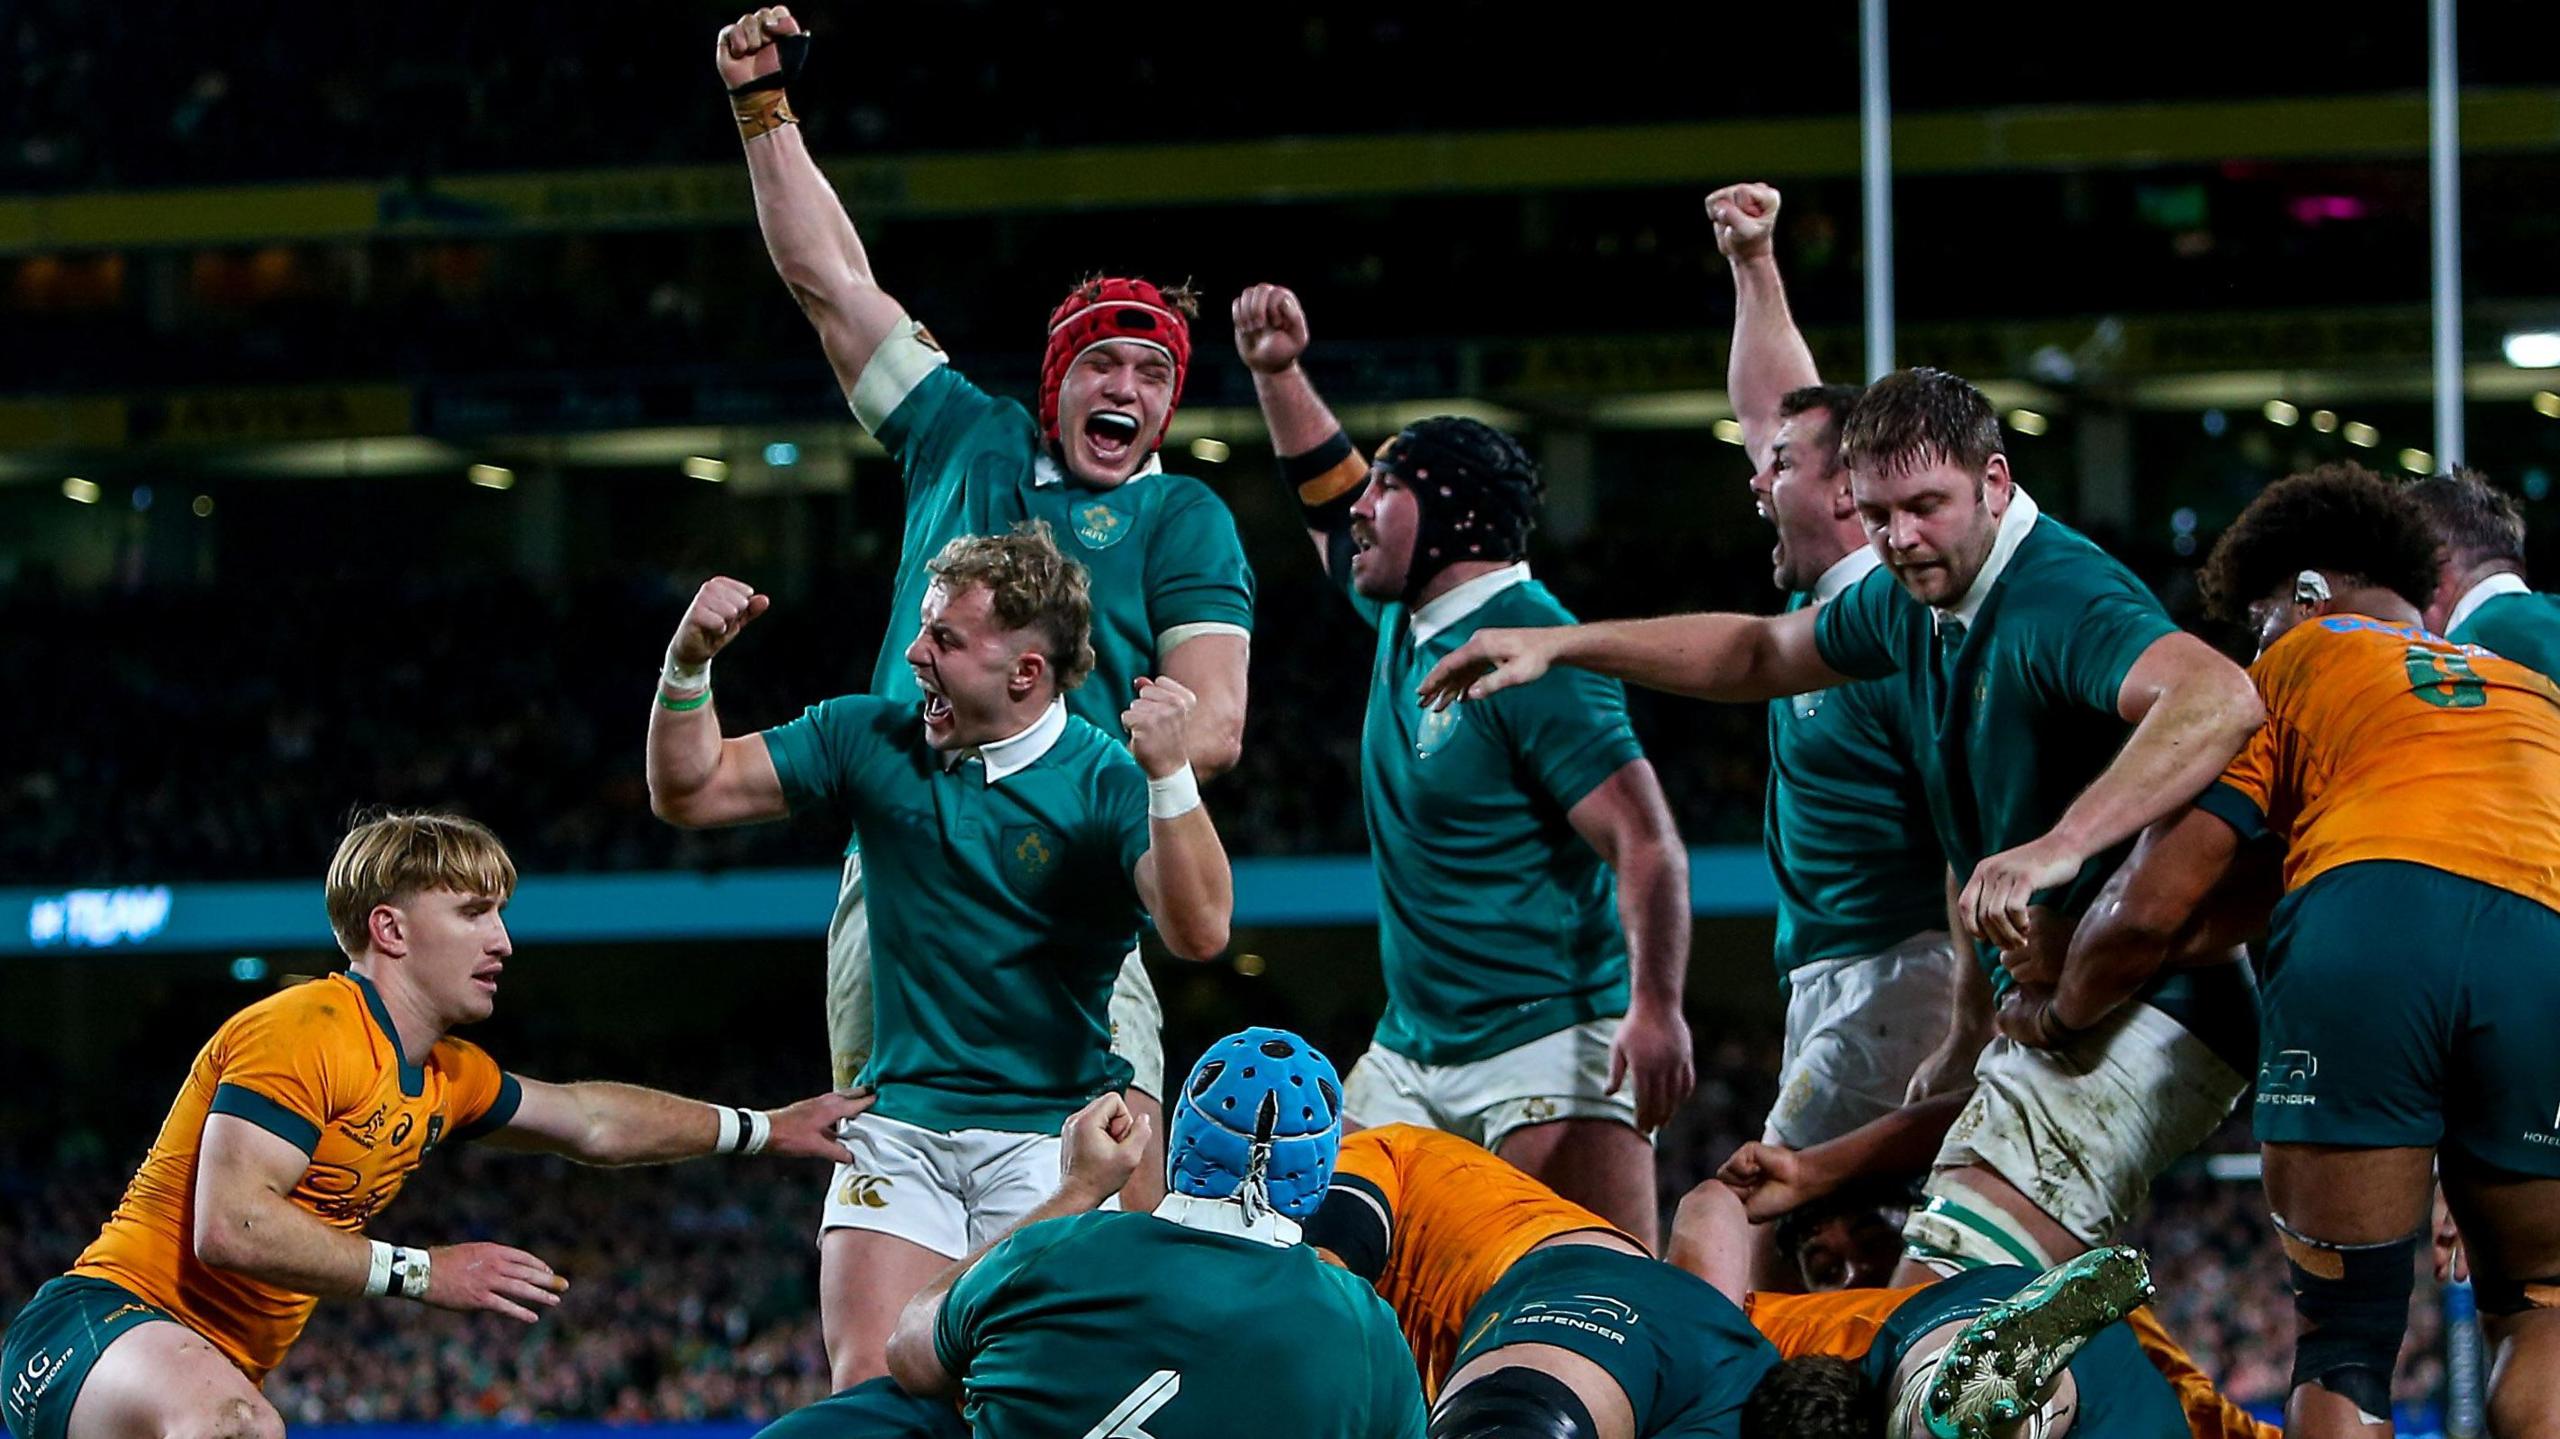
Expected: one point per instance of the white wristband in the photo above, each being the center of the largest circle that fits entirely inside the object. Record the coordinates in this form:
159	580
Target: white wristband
396	1273
679	678
742	1131
377	1280
409	1273
1173	796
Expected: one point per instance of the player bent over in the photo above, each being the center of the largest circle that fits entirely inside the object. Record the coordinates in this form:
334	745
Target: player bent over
298	1124
1017	850
1534	893
2413	786
1207	1318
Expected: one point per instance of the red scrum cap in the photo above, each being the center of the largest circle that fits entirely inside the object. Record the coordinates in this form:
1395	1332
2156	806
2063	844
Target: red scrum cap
1105	309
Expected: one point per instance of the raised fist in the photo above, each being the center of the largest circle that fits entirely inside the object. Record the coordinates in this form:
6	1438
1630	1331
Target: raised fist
1744	216
1159	726
745	50
1271	328
721	608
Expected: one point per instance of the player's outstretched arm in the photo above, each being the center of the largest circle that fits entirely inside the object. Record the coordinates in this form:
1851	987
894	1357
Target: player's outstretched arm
1774	1181
1769	355
1102	1145
1949	1068
602	1123
2138	925
696	778
1183	878
1629	822
806	229
1733	658
246	1222
1711	1238
2191	709
1316	457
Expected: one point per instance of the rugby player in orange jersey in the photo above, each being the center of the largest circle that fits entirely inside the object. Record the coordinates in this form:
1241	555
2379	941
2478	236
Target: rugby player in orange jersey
300	1121
1530	1315
2413	785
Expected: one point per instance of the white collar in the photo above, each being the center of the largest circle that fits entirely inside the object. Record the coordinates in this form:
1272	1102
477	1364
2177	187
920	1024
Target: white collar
2015	521
1048	474
1225	1216
1016	752
1436	615
1844	572
2504	582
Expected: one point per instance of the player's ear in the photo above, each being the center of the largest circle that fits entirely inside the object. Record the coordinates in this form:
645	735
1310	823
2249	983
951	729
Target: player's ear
1028	667
388	927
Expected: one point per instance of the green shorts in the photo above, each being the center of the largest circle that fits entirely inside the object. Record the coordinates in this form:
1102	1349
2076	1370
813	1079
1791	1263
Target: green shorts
55	1341
872	1409
1685	1357
2410	1007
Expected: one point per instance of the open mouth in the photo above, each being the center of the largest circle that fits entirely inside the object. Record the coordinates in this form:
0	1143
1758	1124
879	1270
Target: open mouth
1110	434
937	706
487	979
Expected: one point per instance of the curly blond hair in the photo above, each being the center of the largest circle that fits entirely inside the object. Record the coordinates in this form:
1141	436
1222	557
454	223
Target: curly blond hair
1034	587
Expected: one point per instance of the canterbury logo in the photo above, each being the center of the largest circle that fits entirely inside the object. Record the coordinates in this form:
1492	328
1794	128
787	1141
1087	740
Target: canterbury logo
867	1190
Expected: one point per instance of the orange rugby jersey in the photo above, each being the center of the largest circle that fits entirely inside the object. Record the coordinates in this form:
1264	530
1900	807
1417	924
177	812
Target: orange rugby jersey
315	1065
1457	1217
2385	742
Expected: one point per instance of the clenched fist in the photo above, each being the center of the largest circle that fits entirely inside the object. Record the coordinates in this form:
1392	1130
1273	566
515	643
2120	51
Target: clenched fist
721	608
1745	216
1271	328
1103	1144
745	52
1159	726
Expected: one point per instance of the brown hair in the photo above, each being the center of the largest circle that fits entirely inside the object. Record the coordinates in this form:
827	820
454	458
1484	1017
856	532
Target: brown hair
2341	518
389	856
1835	400
1034	586
1913	418
1812	1396
2473	519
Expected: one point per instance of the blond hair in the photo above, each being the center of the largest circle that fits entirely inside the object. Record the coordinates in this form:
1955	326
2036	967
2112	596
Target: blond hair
1034	586
390	856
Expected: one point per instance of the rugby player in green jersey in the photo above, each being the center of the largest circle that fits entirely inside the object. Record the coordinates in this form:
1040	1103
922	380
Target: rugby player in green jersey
1207	1318
2063	713
1018	848
1172	594
1533	888
2481	596
1862	941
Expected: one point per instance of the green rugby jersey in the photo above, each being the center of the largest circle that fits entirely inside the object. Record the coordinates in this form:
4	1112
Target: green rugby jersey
1002	899
2018	707
1162	548
1497	922
1847	829
1187	1323
2514	622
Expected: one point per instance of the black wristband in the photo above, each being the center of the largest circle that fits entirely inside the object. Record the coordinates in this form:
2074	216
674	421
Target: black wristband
793	52
1298	469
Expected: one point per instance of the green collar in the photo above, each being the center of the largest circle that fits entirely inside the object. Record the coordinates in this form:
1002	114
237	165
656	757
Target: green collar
413	1077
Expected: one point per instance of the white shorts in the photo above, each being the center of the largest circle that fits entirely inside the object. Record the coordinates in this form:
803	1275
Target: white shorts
1564	1075
1857	1029
2081	1131
952	1193
1137	1019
